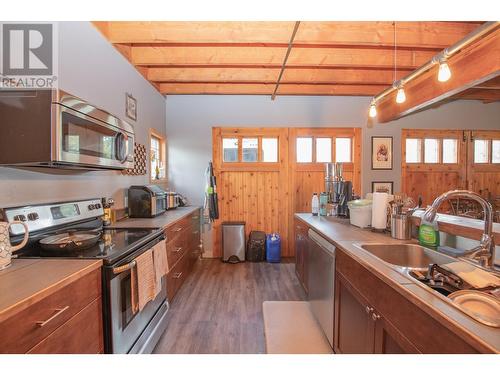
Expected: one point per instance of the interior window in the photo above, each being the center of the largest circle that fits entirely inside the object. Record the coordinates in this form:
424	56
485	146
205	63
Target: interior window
230	149
323	150
450	151
431	150
304	150
343	150
269	150
480	151
157	158
413	150
250	147
495	151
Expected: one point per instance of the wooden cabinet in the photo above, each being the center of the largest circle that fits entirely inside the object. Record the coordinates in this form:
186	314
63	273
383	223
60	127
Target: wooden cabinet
301	253
69	320
183	250
372	317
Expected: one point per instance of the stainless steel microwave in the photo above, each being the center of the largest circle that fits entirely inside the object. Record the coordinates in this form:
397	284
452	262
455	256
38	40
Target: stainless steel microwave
52	128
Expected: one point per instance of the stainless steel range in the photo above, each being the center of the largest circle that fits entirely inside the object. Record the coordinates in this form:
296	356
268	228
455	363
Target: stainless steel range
75	230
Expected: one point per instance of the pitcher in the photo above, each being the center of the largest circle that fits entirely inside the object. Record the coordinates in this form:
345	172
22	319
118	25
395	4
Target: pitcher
6	248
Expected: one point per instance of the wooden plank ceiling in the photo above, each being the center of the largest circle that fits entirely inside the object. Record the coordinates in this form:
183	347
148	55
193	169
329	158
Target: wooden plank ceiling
326	58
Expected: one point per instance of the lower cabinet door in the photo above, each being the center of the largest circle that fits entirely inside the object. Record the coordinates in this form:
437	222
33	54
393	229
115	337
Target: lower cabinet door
354	331
82	334
389	340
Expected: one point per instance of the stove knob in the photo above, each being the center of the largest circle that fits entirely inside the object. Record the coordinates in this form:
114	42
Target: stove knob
91	207
20	218
33	216
98	205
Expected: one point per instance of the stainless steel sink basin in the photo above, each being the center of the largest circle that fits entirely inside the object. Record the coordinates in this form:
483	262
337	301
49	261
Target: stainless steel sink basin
408	256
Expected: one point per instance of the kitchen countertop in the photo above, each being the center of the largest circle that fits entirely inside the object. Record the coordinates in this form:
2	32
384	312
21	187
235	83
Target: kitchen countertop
345	236
28	281
161	221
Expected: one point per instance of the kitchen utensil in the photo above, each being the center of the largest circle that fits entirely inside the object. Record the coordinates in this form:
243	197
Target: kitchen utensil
6	248
481	306
400	226
70	241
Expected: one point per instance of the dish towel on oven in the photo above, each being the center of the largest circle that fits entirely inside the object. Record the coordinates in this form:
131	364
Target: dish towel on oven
144	284
160	264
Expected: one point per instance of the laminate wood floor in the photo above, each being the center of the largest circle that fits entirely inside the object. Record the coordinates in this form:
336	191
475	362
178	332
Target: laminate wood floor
219	307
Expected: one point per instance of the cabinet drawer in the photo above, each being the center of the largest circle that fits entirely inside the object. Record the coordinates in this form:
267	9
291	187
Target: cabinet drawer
26	329
82	334
174	229
176	277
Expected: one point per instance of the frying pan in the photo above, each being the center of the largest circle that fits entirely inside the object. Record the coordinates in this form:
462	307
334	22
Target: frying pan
70	241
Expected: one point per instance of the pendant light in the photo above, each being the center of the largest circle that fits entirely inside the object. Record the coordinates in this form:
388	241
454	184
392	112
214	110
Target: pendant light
444	73
400	96
373	110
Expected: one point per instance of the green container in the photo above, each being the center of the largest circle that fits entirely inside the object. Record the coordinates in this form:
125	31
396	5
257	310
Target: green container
428	233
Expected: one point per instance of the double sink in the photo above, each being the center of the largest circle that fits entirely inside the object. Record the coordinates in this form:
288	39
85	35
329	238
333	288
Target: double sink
422	264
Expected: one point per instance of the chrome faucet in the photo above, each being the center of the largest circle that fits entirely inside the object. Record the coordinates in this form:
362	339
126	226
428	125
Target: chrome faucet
485	252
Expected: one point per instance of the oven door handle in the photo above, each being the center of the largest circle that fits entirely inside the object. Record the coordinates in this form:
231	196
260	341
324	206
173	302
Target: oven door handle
125	267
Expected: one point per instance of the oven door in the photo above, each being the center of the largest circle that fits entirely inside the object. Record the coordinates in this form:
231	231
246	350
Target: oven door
126	332
86	141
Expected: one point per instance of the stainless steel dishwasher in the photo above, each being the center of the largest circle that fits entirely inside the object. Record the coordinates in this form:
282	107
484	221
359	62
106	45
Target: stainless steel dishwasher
321	281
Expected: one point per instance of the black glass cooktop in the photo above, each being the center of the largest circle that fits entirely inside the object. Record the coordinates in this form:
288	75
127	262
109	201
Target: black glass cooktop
113	245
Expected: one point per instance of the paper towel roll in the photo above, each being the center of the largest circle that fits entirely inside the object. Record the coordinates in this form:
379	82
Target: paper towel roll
379	210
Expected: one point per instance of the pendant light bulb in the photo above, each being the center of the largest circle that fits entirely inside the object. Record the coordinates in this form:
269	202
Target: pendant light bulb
444	72
373	111
401	96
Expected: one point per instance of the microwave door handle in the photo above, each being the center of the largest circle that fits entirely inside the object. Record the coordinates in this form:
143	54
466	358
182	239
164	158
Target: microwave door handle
121	145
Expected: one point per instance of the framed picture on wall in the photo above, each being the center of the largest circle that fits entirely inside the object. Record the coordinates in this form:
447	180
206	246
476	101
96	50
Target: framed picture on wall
382	153
130	107
382	187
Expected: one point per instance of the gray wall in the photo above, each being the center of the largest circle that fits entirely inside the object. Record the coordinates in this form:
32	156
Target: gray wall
89	67
190	119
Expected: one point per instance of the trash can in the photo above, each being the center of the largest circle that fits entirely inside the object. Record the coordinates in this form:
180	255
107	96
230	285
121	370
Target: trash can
233	241
256	247
273	248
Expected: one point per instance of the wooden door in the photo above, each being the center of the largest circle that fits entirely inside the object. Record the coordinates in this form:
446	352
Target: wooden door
308	175
354	326
426	173
255	192
388	339
483	164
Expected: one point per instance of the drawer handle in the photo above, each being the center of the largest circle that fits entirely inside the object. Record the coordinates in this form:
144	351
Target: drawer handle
196	232
58	312
177	275
178	229
177	250
195	217
375	317
368	309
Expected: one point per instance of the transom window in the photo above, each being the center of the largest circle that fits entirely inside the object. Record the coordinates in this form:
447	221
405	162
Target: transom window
250	149
432	150
323	149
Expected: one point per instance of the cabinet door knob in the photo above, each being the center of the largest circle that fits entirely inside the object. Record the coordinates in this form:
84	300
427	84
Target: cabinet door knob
375	317
368	309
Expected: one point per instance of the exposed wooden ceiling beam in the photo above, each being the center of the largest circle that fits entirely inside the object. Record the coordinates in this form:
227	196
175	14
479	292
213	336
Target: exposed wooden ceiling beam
477	63
435	35
267	89
289	49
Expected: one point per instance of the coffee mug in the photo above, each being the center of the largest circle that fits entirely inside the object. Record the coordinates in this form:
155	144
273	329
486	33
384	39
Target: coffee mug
6	248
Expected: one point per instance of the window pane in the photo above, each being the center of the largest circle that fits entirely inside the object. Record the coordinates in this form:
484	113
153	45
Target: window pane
323	150
230	149
480	151
304	150
450	151
431	150
250	147
413	150
269	150
343	150
495	156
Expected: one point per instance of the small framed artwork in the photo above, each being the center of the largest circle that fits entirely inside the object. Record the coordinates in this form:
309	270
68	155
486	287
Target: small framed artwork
382	153
130	107
382	187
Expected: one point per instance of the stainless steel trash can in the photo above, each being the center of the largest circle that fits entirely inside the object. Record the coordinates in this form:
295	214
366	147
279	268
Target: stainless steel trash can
233	241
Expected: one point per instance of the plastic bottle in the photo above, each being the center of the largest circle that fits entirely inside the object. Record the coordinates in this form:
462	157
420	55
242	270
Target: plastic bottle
428	233
323	200
315	204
